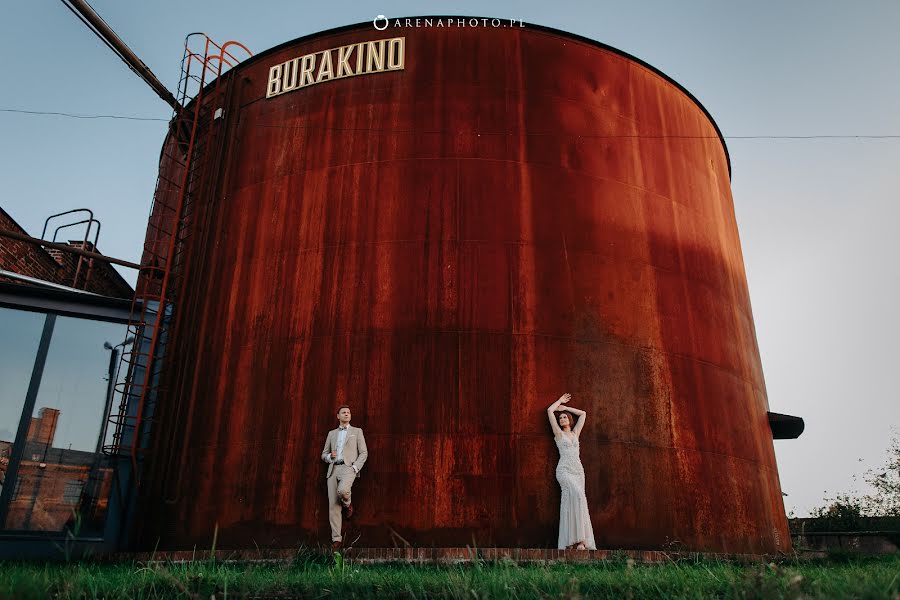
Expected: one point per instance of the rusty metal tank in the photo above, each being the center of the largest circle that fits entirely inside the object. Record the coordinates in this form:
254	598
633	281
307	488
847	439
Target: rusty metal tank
447	244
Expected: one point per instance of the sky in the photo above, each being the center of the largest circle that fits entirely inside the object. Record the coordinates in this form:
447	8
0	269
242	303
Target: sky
817	217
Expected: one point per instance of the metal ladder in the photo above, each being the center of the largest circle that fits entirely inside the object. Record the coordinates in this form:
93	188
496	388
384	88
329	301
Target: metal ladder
165	260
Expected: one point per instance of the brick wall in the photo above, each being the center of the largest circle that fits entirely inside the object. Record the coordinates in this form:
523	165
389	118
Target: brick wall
24	258
57	266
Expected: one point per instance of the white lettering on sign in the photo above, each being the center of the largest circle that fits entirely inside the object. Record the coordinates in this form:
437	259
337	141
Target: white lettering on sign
376	56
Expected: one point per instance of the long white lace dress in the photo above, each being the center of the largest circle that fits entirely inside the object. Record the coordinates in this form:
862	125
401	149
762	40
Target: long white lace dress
574	518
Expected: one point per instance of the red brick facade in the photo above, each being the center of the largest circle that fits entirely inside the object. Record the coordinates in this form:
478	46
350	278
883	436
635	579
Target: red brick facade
57	266
43	427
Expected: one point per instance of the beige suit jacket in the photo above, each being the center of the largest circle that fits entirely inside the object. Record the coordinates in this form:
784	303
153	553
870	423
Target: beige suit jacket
355	451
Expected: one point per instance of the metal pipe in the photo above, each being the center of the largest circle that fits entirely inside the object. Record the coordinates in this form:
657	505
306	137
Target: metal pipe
125	53
36	281
65	248
93	484
110	389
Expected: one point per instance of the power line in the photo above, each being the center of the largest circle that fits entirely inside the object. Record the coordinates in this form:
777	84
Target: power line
533	133
74	116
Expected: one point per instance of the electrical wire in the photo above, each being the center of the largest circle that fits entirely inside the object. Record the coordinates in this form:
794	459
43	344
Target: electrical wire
74	116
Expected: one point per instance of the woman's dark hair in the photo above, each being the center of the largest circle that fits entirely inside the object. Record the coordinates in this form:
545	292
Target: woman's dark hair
568	414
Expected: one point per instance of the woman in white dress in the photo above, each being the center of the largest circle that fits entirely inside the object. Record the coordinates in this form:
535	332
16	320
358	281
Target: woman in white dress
575	529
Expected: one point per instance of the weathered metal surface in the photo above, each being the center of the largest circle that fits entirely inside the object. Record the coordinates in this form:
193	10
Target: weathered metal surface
447	249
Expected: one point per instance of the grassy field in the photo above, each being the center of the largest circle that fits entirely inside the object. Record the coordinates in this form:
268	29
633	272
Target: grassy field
322	578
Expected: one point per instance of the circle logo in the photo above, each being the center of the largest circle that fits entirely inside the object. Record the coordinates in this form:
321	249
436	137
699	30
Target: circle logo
383	20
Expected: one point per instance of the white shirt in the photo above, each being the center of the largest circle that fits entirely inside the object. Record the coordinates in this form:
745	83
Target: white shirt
341	440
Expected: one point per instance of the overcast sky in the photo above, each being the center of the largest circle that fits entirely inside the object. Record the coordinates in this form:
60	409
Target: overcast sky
817	217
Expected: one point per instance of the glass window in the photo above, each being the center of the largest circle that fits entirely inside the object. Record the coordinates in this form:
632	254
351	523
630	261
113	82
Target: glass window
72	491
67	480
20	334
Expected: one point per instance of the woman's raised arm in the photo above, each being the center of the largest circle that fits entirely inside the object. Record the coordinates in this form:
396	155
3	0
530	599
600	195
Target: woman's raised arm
582	417
552	409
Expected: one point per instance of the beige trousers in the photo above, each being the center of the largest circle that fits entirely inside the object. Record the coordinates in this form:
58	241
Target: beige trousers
339	485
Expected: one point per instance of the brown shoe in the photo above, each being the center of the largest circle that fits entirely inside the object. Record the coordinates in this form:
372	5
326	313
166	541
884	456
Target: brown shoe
336	545
348	511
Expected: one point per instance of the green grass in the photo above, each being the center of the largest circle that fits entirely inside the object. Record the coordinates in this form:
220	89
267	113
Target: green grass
319	578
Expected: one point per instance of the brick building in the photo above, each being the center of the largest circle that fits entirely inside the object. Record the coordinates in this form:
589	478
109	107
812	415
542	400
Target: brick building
56	266
48	487
43	426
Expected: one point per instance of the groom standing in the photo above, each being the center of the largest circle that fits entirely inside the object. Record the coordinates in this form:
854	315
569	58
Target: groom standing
345	452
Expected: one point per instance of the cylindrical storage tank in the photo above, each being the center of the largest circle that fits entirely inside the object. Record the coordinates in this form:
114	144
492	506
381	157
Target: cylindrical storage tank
447	247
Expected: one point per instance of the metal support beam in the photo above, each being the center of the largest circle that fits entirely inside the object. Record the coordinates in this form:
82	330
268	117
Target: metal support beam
34	385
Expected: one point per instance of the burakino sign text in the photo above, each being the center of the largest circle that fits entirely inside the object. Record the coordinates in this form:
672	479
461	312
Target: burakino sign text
356	59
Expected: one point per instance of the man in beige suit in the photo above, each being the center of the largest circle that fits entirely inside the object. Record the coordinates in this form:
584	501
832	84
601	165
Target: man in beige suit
345	452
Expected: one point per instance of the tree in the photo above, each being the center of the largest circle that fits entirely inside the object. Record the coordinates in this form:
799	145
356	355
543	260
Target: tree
885	502
851	512
842	513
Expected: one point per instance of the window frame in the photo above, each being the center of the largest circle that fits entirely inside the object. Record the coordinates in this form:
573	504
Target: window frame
55	303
